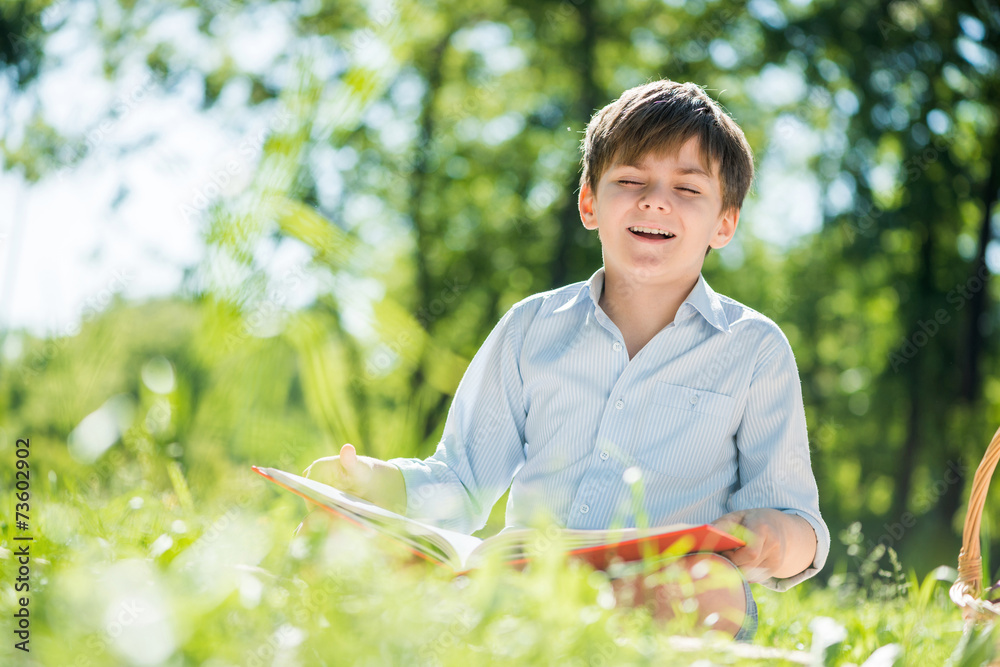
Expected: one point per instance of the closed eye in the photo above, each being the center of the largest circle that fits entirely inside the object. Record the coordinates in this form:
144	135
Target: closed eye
625	181
691	190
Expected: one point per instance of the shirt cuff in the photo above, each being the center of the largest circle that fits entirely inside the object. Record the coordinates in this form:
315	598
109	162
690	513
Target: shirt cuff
822	551
431	499
415	476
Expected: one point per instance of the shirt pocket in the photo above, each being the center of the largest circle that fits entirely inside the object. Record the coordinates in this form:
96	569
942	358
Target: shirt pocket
684	432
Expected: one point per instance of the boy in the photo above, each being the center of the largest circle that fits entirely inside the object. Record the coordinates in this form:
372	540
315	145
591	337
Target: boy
642	371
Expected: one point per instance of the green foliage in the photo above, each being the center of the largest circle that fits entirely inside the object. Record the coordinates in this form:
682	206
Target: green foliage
425	157
166	546
139	576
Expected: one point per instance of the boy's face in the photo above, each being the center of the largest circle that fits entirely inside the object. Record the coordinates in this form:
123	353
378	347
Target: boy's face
672	194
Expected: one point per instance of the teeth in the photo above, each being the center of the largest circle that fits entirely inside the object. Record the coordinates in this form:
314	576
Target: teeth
650	230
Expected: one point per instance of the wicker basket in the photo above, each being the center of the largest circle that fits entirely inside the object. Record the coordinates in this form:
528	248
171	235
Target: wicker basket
967	591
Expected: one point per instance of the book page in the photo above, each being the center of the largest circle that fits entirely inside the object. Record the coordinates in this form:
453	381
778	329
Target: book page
600	547
455	547
576	538
465	552
508	545
515	543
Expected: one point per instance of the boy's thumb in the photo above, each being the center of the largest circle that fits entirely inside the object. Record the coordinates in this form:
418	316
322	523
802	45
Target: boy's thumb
731	523
348	457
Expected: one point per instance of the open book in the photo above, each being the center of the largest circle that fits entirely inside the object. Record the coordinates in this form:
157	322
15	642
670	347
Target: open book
462	552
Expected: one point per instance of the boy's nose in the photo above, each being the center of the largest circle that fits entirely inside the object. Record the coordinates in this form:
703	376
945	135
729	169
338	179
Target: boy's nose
655	202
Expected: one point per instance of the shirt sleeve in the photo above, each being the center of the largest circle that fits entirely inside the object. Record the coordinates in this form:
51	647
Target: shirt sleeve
482	446
773	448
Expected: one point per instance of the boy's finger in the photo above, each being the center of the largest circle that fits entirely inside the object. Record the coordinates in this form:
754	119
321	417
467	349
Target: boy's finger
728	526
743	557
734	524
749	561
308	471
348	457
731	517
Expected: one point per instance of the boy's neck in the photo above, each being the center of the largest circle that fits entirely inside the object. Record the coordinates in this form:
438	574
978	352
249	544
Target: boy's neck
639	309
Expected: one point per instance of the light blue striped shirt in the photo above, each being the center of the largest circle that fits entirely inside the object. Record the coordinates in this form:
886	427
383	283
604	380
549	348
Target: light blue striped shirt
708	415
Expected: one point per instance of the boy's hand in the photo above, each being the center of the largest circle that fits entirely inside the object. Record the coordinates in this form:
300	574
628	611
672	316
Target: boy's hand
363	476
345	472
779	545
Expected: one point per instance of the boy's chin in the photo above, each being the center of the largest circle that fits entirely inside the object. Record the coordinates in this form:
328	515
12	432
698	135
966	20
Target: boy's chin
664	273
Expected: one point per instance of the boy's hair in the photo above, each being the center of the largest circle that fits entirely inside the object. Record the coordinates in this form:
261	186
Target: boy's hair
659	117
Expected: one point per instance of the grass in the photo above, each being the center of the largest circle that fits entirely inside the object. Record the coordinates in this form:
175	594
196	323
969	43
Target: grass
161	574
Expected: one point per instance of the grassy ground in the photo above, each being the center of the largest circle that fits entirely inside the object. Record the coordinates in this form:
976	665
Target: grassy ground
138	577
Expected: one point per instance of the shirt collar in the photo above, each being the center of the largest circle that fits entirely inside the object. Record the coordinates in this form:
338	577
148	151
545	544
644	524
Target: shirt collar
702	299
595	286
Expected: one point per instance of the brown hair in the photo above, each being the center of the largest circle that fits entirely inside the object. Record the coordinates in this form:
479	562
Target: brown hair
660	117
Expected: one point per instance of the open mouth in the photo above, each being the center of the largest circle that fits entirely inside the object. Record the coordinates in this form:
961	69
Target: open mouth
650	233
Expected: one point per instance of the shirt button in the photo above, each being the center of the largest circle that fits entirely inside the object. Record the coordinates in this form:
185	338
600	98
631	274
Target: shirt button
604	456
694	398
617	346
584	509
620	404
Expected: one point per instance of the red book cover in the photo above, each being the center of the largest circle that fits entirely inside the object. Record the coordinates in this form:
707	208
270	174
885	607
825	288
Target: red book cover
458	552
688	540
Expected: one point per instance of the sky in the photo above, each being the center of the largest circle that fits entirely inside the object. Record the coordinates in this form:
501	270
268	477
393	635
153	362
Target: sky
113	223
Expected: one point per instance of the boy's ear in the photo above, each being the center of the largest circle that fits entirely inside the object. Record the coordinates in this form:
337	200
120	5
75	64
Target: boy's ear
587	214
726	228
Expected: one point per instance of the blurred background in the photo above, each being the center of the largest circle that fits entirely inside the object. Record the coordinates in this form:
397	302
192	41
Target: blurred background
238	233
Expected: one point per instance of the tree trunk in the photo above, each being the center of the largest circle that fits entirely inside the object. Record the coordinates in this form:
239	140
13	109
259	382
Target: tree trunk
570	226
423	234
428	123
970	383
915	425
970	386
